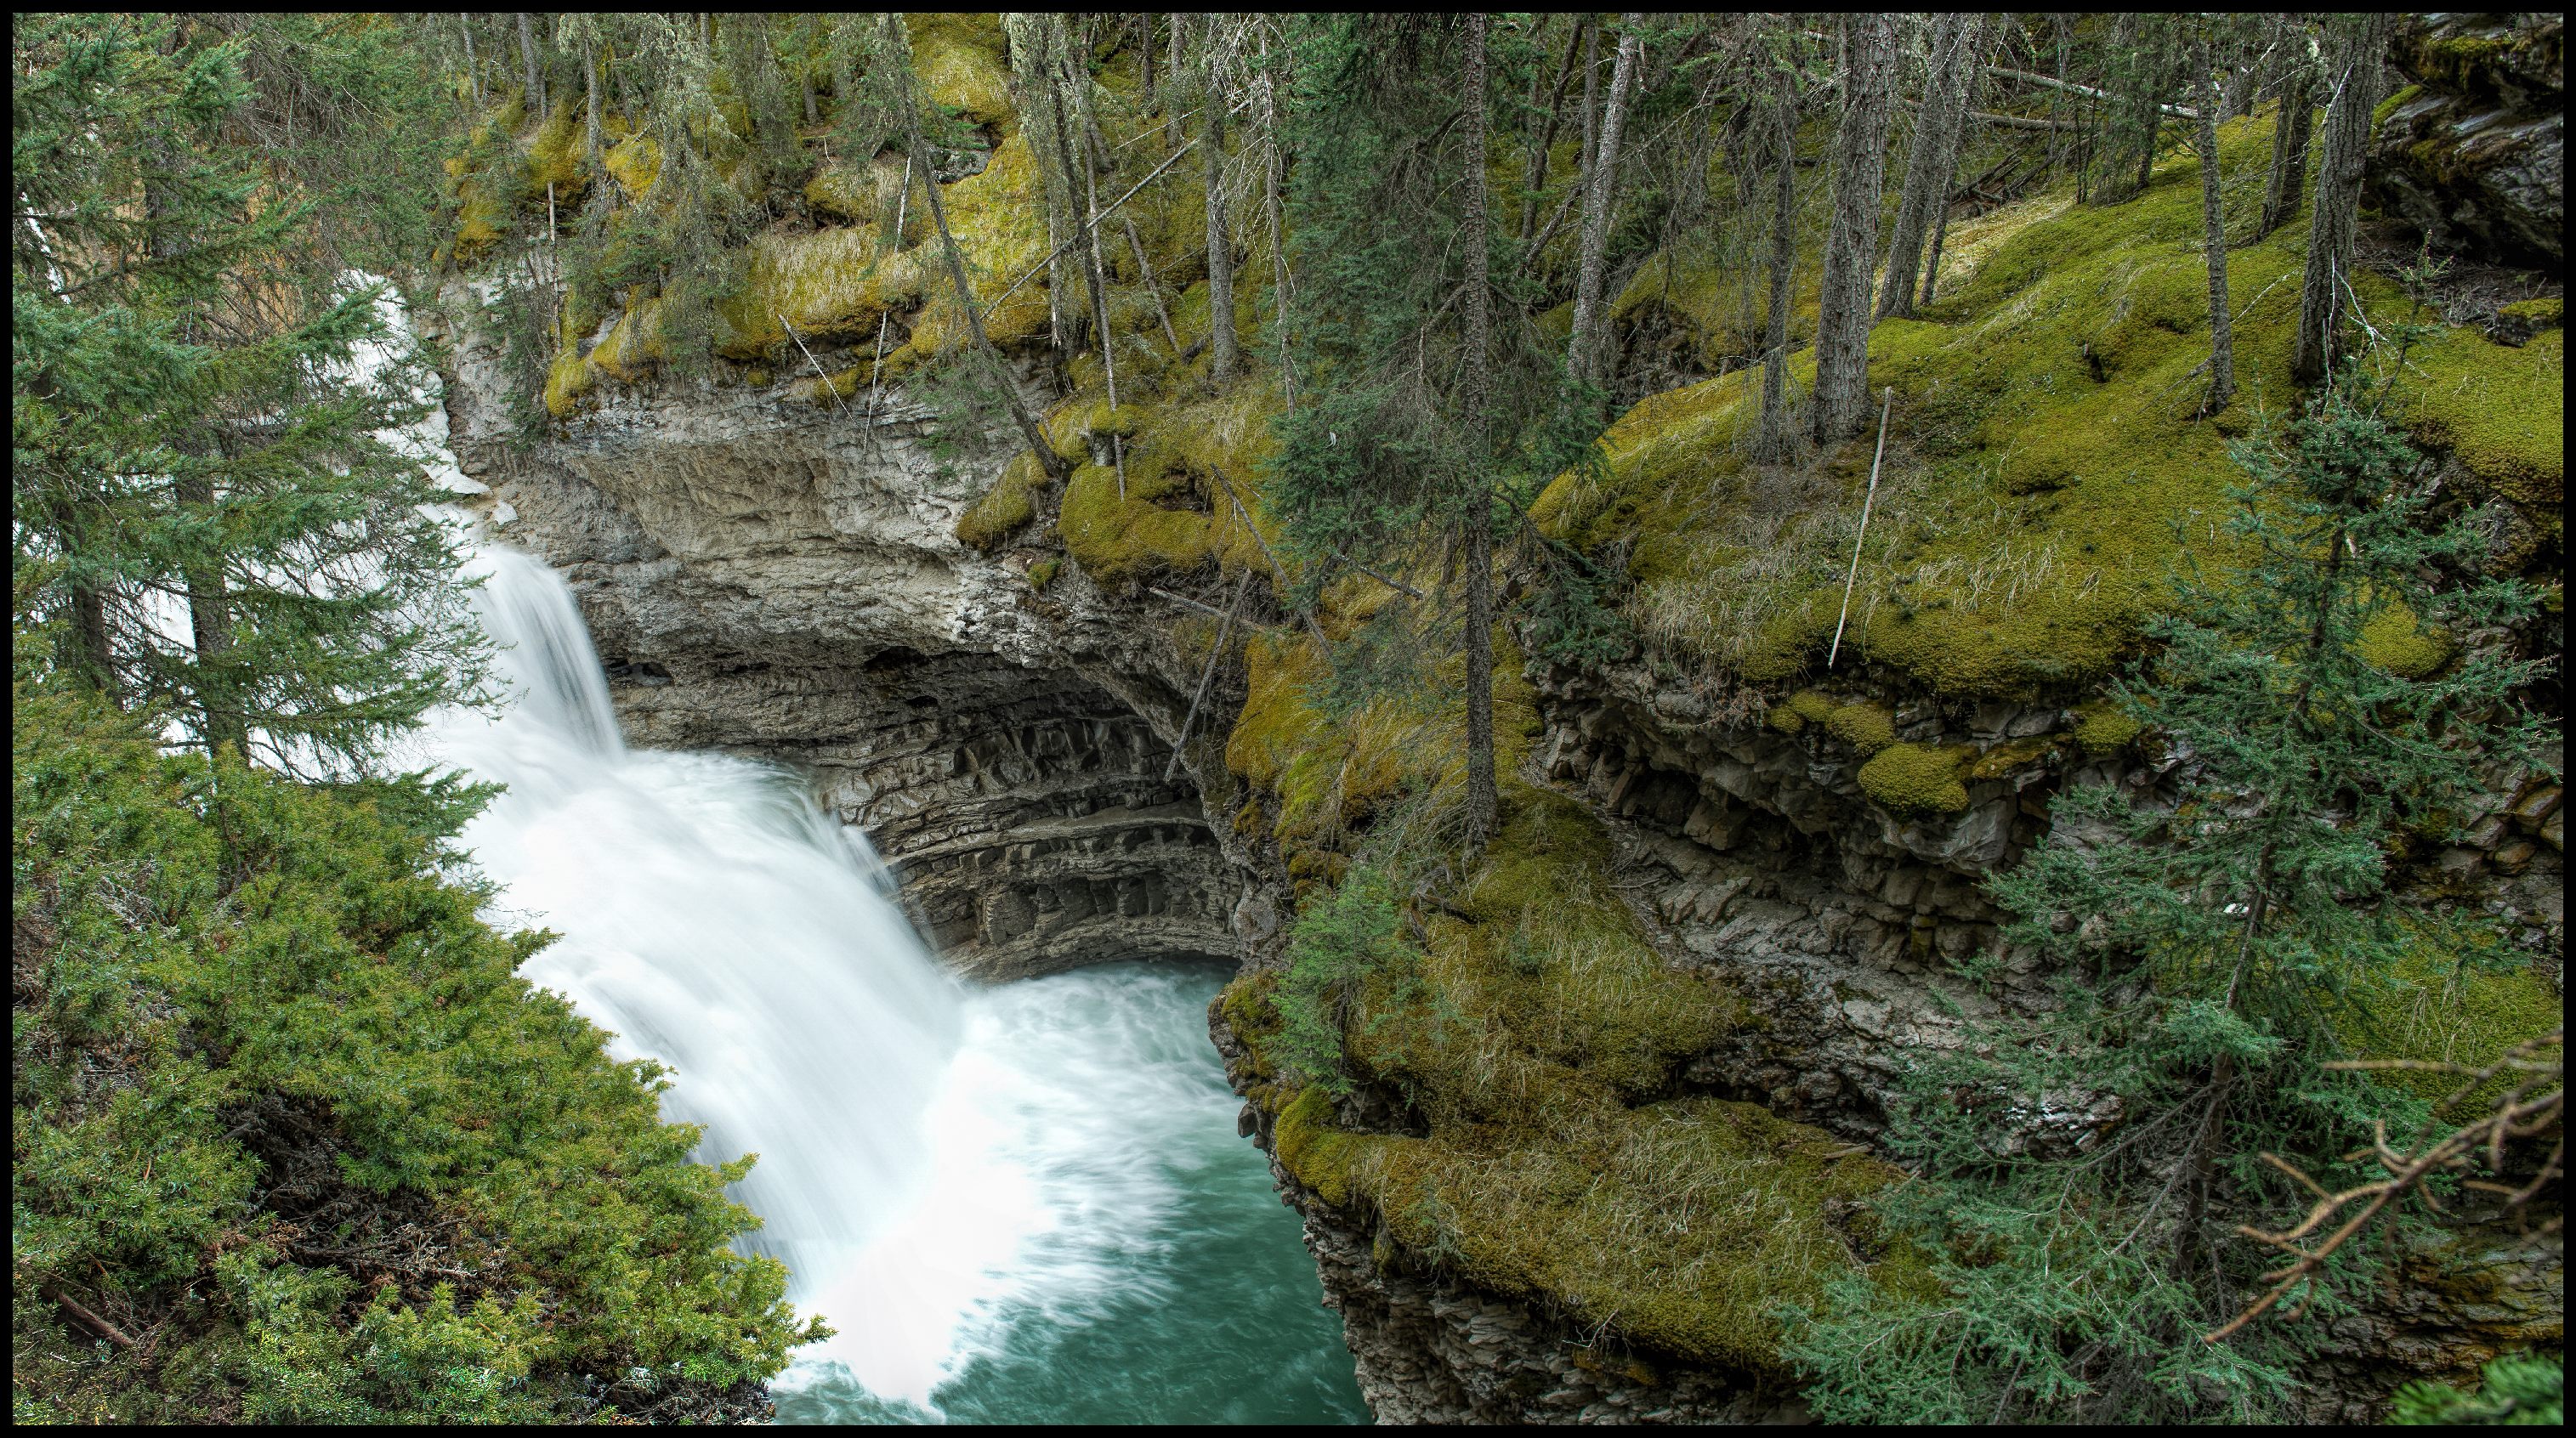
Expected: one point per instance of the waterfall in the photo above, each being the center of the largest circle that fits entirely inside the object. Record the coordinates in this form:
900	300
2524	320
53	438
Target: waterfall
716	921
1011	1204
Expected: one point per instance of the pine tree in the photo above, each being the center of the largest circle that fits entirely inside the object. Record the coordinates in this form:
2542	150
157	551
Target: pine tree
190	424
1477	519
1222	351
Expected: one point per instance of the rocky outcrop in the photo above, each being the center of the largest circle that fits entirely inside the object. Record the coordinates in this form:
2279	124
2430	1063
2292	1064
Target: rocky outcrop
783	582
2474	158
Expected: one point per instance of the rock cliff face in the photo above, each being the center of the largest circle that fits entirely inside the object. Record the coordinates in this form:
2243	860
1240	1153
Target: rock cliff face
783	581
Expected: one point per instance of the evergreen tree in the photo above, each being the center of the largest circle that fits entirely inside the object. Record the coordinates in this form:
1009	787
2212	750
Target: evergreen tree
192	423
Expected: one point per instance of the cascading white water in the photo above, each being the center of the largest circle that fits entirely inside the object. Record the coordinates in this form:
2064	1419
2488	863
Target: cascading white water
1011	1204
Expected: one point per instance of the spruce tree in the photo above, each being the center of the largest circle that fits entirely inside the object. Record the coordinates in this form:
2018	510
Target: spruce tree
196	420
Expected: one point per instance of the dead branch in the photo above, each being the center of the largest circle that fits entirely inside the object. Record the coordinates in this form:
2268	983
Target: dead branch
2531	1104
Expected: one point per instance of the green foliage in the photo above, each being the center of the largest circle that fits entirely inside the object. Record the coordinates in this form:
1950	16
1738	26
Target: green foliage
214	518
280	1098
2218	941
2520	1388
1341	939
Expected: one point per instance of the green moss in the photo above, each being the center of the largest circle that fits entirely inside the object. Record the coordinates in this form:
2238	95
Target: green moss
1011	503
1866	727
2044	448
1117	541
634	346
2389	106
2004	760
2103	727
635	162
2541	314
1042	573
957	60
2441	1009
1917	778
1314	1152
2502	410
2393	640
567	380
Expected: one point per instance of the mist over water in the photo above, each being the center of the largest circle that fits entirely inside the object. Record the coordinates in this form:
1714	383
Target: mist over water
1024	1203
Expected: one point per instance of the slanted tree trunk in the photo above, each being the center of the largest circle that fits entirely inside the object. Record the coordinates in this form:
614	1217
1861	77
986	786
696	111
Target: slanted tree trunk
2289	175
1860	160
1041	108
536	79
1222	355
2337	217
2222	338
1591	103
1927	167
1483	805
1581	359
1773	443
1055	71
1048	459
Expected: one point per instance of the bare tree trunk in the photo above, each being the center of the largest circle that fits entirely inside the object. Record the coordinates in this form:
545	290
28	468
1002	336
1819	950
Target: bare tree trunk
1055	71
473	72
1175	85
1591	102
1273	180
1598	201
592	138
2222	338
1773	443
1048	459
2064	28
1483	804
1973	69
1860	161
1927	166
1535	172
2290	135
1222	355
2337	217
536	90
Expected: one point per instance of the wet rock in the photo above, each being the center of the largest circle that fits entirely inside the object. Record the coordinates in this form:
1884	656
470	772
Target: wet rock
2475	159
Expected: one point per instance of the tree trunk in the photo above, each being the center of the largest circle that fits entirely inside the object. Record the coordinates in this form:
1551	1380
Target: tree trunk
1222	355
2064	27
2338	207
1591	103
1175	86
1535	172
1772	445
93	653
1055	71
1048	459
2222	339
2289	136
1927	176
1598	201
1860	159
536	90
1483	805
593	142
473	73
1972	69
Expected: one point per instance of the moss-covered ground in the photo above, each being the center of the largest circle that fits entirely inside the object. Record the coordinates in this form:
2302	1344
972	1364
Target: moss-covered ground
2047	456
